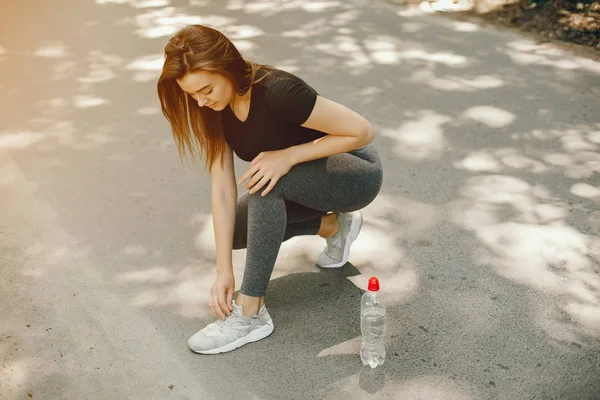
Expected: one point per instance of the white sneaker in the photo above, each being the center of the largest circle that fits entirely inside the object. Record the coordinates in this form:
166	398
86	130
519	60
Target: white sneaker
338	246
234	331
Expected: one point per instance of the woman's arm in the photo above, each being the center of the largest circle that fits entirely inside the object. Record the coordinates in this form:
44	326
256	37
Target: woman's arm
224	202
346	131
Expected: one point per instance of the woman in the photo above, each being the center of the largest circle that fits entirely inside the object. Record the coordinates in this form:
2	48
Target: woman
311	168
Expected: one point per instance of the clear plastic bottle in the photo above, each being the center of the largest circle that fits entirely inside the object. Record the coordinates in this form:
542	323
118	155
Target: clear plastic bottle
372	325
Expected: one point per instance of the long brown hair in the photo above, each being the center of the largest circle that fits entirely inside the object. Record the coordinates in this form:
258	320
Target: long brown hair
194	48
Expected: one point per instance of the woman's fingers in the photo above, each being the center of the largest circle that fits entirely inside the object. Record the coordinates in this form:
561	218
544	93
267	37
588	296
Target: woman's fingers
259	185
248	174
255	178
270	187
229	298
223	309
214	303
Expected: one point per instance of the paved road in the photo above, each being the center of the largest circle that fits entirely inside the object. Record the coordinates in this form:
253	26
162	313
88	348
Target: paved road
485	236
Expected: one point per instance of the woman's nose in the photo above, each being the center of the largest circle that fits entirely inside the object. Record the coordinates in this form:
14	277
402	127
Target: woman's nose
202	102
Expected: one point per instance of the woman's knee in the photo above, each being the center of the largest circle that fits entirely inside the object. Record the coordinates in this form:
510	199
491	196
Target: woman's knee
258	200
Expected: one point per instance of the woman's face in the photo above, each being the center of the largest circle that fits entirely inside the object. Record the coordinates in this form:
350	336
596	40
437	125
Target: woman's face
208	89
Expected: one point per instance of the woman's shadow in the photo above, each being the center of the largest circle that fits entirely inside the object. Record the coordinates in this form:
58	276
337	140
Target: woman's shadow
315	342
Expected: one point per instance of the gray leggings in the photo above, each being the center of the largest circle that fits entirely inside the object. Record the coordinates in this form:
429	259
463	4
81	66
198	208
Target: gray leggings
340	183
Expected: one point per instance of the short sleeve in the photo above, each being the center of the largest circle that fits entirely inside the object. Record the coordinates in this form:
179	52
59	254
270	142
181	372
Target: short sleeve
290	98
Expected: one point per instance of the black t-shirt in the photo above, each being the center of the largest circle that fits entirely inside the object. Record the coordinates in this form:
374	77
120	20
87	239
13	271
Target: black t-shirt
279	104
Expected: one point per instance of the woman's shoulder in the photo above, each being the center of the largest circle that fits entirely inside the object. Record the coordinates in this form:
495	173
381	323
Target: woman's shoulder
277	79
288	95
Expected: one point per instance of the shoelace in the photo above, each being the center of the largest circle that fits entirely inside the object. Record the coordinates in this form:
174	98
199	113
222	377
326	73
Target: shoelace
221	324
224	323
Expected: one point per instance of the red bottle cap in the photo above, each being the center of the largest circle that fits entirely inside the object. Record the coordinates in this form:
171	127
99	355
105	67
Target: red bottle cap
373	284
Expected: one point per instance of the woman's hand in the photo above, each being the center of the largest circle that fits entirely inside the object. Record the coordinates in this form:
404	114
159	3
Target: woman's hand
267	166
221	294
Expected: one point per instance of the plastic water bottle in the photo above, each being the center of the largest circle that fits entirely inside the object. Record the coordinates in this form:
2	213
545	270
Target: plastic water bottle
372	325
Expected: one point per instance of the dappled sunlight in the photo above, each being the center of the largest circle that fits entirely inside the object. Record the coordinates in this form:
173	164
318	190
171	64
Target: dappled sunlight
456	83
374	50
446	58
60	133
269	8
101	67
287	65
152	62
317	6
146	68
493	199
398	286
490	116
586	191
413	27
44	256
462	26
586	315
376	250
349	347
526	238
137	3
86	101
147	111
429	387
19	140
419	139
370	94
383	49
535	255
581	157
528	52
416	218
376	253
344	18
57	102
528	58
53	51
496	160
349	49
312	28
166	21
411	12
64	71
594	136
184	286
572	141
237	32
149	3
